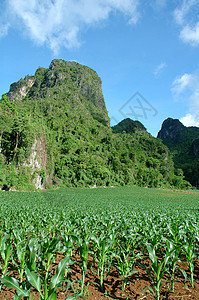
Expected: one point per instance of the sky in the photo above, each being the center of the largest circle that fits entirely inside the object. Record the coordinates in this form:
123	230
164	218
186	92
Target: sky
145	51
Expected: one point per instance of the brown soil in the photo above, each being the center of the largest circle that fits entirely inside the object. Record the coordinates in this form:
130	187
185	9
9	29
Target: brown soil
113	285
180	191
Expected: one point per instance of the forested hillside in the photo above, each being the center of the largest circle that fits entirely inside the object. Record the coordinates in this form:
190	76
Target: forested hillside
183	143
128	126
55	132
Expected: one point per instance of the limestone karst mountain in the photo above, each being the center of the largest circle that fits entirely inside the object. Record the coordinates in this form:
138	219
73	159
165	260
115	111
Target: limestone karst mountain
128	126
55	132
183	143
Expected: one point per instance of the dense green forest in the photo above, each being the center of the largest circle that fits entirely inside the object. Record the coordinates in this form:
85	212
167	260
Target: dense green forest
55	132
128	126
183	143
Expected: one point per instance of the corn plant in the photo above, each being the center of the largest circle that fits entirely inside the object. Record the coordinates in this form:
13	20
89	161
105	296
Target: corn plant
126	257
13	283
32	254
157	271
190	253
47	251
6	250
55	282
174	251
102	252
83	252
20	261
67	243
119	229
34	280
125	266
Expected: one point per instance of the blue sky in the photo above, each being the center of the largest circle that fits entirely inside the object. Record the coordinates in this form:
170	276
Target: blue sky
145	51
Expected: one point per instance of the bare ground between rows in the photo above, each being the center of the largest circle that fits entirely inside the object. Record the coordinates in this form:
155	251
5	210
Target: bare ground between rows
113	284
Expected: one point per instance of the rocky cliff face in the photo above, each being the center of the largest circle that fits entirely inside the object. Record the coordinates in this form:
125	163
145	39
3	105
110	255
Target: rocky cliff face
75	83
85	80
20	89
171	128
37	161
183	143
67	98
56	133
195	148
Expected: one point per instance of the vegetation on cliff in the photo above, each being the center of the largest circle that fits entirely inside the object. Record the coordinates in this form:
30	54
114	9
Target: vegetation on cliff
183	143
128	126
54	131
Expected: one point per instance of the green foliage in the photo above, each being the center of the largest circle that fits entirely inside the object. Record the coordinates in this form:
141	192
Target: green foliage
46	236
184	147
59	134
128	126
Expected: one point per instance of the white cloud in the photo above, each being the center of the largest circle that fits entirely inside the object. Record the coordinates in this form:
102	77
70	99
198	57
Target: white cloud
186	88
161	3
181	12
158	5
188	18
182	83
4	29
190	34
189	120
159	68
58	23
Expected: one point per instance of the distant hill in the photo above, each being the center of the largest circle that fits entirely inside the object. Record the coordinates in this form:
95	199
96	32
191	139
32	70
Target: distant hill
55	132
183	143
128	126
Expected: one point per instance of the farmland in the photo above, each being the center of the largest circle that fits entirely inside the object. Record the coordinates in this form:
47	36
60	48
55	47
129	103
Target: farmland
120	243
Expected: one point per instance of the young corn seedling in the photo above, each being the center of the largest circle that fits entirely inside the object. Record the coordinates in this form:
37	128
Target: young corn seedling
175	233
25	257
21	253
126	258
55	282
12	283
157	271
6	250
47	252
174	249
34	280
102	251
125	266
68	244
190	253
173	263
32	254
83	252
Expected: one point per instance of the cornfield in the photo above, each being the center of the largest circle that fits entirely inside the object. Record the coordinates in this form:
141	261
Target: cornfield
121	243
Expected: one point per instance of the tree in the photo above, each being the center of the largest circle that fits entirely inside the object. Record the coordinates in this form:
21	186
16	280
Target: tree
7	109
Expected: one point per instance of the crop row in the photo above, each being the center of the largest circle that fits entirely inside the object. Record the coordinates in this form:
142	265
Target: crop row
40	244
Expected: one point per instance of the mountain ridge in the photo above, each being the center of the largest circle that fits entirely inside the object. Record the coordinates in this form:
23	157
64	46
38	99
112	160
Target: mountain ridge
128	126
55	132
183	143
